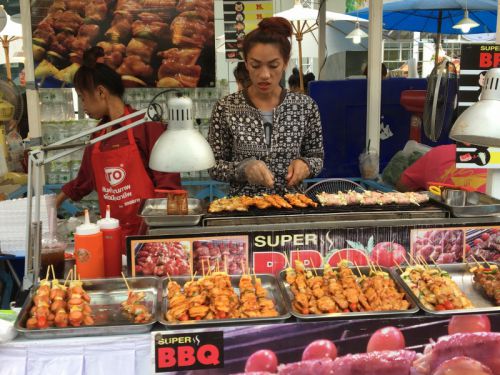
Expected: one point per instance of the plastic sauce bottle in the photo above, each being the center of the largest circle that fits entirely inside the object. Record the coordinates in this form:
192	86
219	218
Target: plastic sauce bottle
89	254
112	240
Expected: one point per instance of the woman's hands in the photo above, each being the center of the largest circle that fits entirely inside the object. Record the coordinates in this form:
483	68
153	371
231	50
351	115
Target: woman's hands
298	171
257	173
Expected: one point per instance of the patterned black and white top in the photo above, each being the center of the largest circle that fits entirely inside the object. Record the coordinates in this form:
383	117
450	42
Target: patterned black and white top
236	135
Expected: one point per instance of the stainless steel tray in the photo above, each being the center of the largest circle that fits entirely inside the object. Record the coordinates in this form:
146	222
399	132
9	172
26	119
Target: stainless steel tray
460	274
477	204
363	314
105	298
269	282
154	213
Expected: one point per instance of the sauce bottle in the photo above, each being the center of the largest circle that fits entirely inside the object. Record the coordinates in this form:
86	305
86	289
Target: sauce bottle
89	254
112	241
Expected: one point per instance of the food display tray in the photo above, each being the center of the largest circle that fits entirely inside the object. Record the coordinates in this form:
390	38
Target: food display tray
154	213
485	206
106	296
464	279
365	270
269	282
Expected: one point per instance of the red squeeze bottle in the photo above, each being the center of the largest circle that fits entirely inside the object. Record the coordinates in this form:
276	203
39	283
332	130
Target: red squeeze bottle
112	241
89	254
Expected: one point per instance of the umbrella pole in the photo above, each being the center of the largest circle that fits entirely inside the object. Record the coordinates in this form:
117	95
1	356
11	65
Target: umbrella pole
300	36
5	44
438	37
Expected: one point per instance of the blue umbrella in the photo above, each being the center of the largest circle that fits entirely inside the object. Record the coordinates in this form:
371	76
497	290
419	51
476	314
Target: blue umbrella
436	16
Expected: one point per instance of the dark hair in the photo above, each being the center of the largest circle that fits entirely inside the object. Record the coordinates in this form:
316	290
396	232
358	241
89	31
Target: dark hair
272	30
241	74
93	73
294	80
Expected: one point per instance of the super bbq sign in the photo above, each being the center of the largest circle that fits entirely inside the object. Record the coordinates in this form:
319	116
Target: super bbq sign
188	351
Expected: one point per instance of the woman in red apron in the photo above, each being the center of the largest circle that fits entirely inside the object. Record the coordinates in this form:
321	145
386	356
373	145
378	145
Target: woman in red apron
117	167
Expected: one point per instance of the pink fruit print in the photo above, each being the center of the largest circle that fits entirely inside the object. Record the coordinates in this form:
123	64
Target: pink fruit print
388	254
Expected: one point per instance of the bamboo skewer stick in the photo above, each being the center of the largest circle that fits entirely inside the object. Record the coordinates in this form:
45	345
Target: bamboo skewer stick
485	261
312	267
47	274
126	282
53	272
203	267
70	273
399	267
359	271
406	260
475	260
370	264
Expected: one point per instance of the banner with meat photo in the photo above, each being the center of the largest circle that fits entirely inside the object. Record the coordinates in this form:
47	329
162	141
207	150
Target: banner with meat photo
160	258
241	17
443	245
150	43
185	256
482	244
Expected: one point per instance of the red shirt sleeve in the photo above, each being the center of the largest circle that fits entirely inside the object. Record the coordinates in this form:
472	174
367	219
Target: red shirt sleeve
83	184
414	177
146	136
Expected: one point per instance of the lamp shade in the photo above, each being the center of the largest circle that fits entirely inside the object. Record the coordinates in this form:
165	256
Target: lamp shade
466	23
478	124
181	148
357	34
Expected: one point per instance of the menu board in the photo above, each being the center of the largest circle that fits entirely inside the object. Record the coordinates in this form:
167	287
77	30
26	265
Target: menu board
241	17
150	43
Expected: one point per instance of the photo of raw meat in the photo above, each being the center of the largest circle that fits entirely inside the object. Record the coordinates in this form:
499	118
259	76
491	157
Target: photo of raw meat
438	245
162	258
482	244
229	255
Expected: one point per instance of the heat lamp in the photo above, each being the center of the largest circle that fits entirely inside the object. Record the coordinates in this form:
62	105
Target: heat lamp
478	125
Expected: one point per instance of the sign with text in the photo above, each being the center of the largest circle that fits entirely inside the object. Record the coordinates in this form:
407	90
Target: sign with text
188	351
241	17
476	60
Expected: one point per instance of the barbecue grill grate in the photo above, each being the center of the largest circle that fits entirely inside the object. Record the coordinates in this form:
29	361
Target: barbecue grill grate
333	186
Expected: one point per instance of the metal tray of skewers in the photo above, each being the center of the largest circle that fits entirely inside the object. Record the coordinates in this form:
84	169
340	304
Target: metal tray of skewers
458	288
108	314
154	213
201	306
337	301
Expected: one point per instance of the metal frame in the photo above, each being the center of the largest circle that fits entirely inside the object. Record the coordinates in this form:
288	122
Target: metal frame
36	160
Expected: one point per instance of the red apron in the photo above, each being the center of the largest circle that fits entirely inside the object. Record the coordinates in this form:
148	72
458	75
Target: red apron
121	182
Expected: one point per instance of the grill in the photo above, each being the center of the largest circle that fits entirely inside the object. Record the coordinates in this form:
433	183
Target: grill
331	213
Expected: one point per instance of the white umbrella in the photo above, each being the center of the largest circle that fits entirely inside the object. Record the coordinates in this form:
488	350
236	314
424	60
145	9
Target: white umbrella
304	20
11	32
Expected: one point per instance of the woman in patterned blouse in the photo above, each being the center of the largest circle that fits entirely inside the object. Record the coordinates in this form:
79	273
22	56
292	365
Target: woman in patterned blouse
265	138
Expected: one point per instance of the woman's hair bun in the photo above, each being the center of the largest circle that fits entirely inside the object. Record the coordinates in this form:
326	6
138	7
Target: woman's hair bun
91	56
278	25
